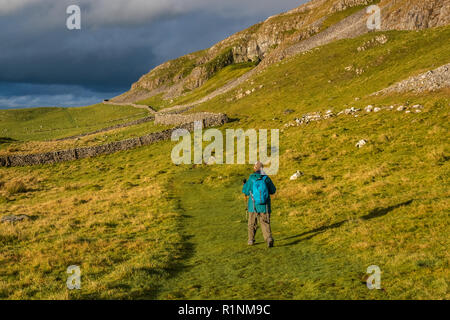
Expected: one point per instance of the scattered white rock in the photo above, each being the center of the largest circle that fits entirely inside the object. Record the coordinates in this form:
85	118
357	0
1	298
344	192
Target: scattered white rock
381	39
361	143
431	80
351	110
328	114
296	175
369	108
15	218
317	116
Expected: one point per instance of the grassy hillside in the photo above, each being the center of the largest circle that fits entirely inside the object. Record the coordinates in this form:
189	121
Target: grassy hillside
318	80
141	227
52	123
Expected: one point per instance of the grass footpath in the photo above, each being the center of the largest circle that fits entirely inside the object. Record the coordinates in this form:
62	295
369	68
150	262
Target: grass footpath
220	265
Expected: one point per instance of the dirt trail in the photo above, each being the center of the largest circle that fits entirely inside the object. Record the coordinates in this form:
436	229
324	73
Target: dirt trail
139	106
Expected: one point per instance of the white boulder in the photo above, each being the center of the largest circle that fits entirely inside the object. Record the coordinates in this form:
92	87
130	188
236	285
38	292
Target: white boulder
361	143
296	175
369	108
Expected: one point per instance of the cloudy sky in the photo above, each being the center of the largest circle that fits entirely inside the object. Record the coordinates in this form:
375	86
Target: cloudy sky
42	63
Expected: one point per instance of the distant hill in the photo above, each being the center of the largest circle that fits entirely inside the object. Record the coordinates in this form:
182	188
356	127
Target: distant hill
315	23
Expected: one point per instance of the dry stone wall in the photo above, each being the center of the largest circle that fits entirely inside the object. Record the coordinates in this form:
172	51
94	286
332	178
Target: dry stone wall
209	120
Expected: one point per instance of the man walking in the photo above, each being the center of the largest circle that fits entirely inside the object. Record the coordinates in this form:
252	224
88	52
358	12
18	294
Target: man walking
258	189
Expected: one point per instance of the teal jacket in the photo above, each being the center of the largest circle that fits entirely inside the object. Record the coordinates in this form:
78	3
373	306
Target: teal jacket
248	187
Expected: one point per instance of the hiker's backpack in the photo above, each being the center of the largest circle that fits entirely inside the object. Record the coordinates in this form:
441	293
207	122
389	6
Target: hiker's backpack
260	192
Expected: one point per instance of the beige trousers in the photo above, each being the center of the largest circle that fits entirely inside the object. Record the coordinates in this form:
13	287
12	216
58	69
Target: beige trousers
264	221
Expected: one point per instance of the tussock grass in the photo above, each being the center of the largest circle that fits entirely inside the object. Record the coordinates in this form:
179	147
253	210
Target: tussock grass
16	186
124	239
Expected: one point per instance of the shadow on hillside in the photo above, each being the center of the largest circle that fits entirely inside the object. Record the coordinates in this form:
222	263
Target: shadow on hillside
4	140
233	120
379	212
375	213
311	233
176	266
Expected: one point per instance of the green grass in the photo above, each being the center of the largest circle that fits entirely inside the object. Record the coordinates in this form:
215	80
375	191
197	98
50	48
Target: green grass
51	123
141	227
121	231
352	208
18	147
157	102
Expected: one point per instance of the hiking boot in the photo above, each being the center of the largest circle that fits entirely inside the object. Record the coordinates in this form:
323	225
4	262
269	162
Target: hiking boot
270	243
250	243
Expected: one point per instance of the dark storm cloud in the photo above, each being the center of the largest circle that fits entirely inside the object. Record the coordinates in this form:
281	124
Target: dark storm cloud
19	95
119	41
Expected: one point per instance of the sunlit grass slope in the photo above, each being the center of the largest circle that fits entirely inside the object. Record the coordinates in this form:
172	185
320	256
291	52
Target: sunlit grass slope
318	79
109	215
51	123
